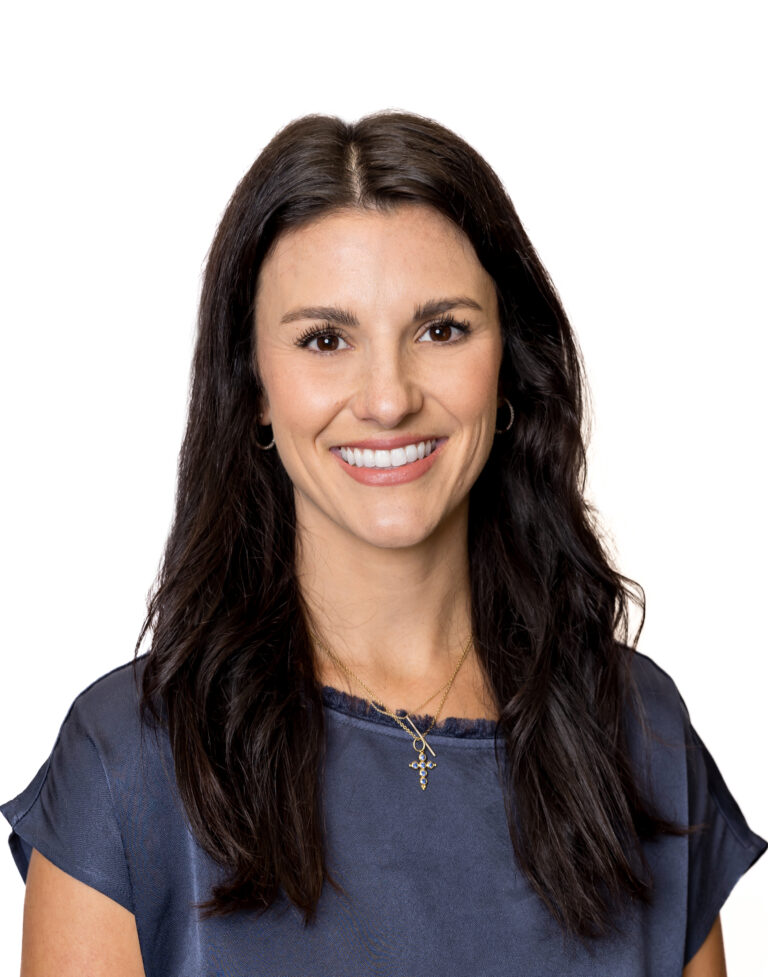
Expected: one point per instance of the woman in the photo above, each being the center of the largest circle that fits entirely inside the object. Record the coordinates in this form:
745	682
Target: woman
390	721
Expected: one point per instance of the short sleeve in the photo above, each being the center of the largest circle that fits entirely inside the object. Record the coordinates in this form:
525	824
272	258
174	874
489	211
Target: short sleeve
67	814
722	851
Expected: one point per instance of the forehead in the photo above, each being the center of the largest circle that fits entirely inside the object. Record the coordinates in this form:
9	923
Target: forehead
369	256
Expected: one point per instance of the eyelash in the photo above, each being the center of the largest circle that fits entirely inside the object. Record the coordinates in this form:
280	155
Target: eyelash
317	332
460	325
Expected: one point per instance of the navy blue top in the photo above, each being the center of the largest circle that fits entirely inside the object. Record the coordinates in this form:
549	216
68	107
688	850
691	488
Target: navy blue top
431	884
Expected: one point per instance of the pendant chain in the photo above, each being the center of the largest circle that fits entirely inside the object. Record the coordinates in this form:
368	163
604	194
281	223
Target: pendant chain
419	739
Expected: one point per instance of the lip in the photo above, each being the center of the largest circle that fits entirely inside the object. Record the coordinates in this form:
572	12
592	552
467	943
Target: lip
390	476
387	444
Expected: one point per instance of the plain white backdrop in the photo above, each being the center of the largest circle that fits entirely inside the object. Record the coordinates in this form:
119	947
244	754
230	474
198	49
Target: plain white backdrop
631	139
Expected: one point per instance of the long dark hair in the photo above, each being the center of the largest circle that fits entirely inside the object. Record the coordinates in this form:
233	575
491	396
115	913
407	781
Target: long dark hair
230	669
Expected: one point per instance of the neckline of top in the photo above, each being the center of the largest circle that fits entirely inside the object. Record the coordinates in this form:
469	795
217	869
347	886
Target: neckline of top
358	708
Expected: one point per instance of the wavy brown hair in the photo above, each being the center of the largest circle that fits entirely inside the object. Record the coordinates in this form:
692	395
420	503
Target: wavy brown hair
230	668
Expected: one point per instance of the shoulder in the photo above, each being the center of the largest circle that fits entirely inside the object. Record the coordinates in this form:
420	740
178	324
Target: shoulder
651	681
76	808
656	711
101	732
112	700
101	740
653	686
108	711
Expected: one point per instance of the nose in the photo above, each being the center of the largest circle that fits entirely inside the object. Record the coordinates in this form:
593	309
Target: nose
388	388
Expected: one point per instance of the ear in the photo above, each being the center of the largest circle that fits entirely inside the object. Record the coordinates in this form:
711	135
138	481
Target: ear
264	415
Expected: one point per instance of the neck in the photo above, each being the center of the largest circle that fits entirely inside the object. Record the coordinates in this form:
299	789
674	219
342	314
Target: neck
398	618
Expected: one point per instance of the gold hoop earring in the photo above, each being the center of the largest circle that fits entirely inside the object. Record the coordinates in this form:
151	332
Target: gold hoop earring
501	430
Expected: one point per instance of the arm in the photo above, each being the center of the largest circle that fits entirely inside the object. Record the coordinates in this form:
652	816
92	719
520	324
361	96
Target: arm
71	929
709	959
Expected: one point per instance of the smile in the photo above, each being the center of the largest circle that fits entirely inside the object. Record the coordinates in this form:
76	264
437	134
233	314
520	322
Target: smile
388	467
395	458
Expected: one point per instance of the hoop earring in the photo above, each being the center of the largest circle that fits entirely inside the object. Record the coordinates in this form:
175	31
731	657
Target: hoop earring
501	430
264	447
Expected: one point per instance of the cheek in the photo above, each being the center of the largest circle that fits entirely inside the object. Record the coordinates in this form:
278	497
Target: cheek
474	393
299	404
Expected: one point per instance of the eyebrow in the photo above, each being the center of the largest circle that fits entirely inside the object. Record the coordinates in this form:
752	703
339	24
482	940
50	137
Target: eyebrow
342	317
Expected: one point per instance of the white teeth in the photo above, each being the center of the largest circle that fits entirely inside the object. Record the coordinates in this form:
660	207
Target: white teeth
369	458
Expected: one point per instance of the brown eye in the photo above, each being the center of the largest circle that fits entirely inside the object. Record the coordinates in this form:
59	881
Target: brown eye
440	333
322	340
445	331
328	343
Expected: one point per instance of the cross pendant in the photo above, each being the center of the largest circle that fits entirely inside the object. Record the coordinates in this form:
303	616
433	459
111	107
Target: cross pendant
422	765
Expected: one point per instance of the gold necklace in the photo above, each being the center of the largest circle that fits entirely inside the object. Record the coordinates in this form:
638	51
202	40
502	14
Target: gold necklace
423	765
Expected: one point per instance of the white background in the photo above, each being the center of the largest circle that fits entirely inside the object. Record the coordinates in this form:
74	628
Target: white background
630	138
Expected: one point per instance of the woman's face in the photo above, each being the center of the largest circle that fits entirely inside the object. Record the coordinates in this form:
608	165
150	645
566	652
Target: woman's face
378	344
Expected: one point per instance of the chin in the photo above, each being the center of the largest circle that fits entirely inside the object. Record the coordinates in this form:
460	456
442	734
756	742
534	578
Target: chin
394	535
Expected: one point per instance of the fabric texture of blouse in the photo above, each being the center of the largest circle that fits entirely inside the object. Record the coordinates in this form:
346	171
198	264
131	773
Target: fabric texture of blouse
429	877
